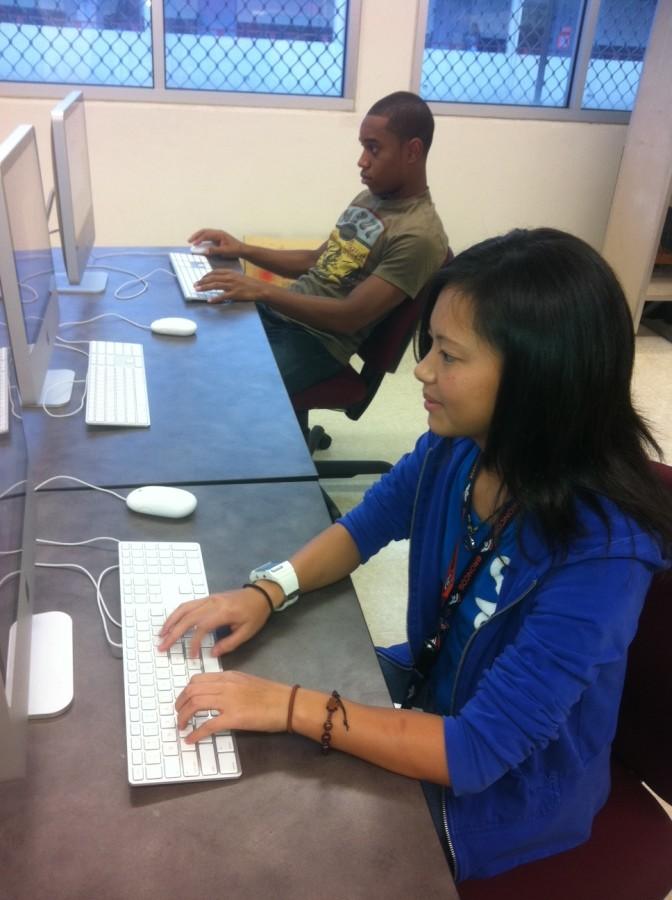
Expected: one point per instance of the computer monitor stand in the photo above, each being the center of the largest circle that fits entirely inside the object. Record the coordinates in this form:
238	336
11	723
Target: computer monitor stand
57	387
51	688
91	283
51	685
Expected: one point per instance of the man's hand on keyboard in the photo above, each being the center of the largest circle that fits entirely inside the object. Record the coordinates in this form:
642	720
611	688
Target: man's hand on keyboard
223	243
244	611
233	285
245	703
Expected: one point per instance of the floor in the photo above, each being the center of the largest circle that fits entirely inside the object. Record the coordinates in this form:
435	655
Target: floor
390	427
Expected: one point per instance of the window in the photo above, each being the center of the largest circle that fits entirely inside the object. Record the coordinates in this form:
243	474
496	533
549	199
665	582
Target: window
288	48
572	55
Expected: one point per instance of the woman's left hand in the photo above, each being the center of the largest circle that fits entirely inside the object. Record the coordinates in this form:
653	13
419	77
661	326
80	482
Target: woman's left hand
244	703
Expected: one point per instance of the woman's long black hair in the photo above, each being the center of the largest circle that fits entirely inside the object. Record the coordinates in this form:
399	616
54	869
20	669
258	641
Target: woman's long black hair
563	425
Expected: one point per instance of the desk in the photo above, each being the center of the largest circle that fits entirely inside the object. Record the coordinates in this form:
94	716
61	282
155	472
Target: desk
296	824
219	411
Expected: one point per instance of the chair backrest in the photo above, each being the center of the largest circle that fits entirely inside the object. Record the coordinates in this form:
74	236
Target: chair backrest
381	353
643	740
383	349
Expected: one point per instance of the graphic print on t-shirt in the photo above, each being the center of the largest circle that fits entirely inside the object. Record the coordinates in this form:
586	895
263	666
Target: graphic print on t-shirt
487	607
349	245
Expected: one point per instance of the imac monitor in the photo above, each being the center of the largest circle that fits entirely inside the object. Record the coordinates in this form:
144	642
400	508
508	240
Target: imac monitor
16	593
36	660
27	287
72	184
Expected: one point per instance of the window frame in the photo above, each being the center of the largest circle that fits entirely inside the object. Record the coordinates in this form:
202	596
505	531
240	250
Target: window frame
159	93
573	112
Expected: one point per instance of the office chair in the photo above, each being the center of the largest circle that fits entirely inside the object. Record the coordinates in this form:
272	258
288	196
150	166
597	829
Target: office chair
352	392
629	853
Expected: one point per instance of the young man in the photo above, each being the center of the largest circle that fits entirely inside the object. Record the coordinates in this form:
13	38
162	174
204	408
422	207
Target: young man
383	248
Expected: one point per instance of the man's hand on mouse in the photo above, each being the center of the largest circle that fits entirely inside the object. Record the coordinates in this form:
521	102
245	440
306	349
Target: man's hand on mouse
223	243
245	611
233	285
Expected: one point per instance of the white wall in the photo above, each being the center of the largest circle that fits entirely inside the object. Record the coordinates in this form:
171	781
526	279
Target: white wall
161	170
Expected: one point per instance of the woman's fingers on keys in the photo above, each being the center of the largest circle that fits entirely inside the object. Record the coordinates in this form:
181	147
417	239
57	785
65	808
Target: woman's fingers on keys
179	622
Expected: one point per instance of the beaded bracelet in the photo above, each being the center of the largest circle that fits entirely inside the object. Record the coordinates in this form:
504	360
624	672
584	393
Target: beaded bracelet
258	587
333	703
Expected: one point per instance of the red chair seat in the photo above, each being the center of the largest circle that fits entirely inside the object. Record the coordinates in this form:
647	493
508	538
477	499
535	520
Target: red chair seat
628	856
340	391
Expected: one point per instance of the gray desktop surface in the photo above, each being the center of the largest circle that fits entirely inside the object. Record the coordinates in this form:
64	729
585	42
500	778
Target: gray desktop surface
295	825
219	411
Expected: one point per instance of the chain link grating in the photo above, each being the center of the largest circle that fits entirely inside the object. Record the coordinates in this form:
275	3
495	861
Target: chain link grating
521	52
276	47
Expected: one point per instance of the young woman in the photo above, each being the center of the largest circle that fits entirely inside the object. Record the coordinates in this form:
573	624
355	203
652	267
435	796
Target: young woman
536	526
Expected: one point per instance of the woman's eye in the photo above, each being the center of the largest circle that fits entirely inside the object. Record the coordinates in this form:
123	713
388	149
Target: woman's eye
446	357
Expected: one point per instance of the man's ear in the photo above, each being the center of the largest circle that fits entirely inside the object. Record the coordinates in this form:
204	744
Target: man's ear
415	150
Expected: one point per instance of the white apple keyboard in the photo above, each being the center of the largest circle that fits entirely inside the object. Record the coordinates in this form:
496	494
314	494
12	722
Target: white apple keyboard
154	578
190	268
116	385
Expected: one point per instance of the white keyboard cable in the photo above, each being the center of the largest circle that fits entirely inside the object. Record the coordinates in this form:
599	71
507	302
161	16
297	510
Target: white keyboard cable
102	606
56	384
65	345
46	542
143	279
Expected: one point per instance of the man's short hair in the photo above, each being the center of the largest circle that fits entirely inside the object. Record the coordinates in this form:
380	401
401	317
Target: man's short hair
408	116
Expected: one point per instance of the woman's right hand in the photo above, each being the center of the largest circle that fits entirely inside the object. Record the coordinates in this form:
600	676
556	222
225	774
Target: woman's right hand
244	611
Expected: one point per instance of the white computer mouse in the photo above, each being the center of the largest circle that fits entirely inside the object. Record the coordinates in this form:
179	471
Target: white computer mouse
201	248
174	325
159	500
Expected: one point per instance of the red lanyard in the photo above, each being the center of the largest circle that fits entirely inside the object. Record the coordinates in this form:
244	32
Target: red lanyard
454	588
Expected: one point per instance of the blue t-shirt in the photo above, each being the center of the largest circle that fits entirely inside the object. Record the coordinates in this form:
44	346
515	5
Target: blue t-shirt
480	601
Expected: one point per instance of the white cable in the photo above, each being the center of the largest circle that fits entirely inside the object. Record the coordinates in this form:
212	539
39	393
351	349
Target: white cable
74	411
29	287
11	402
104	316
145	283
110	253
11	487
64	343
103	537
100	594
79	481
142	279
13	387
8	576
10	552
102	608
